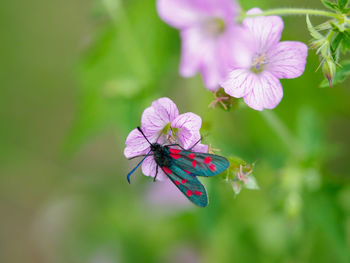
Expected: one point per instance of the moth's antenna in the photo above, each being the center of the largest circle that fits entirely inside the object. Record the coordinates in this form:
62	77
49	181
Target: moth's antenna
143	135
133	170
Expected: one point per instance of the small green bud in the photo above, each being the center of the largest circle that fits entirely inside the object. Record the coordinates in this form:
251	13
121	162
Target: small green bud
329	68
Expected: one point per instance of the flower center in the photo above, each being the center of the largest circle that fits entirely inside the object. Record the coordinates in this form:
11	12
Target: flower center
214	26
168	134
258	63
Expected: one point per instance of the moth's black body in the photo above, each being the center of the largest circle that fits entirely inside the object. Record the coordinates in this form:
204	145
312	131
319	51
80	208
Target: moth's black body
161	155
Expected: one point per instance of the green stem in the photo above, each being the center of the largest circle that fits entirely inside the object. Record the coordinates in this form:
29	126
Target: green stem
118	15
282	131
293	11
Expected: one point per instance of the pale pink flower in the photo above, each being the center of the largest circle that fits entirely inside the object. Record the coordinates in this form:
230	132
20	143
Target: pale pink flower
211	40
162	123
166	197
270	60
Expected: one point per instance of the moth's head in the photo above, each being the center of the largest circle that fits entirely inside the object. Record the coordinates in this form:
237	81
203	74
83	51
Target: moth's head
155	147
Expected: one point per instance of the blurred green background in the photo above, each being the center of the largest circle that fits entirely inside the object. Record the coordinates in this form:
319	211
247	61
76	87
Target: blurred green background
75	78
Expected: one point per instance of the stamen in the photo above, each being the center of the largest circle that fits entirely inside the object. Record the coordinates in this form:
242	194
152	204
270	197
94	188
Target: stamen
258	63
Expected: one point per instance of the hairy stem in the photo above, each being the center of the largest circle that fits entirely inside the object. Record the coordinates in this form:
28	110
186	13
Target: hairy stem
293	11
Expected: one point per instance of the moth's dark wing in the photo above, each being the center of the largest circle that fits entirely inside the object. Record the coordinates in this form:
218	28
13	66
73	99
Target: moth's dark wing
188	184
200	164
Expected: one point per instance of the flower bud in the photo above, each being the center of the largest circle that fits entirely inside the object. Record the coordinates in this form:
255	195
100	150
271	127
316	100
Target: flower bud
329	69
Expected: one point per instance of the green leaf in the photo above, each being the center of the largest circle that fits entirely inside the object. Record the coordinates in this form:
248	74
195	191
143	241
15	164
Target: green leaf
345	44
342	4
330	5
342	73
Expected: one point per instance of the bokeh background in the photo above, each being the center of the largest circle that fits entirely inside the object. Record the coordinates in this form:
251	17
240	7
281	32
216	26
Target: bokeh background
75	78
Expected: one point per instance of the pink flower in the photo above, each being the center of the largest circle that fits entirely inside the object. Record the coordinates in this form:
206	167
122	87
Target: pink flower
270	60
166	197
162	123
210	37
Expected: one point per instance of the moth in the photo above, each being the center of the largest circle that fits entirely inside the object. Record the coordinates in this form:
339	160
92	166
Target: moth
183	166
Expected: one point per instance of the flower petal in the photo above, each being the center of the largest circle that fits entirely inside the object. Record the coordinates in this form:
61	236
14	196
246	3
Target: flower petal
212	68
166	197
266	92
200	148
149	168
238	83
178	13
193	47
189	125
184	13
287	59
136	144
156	117
266	30
237	47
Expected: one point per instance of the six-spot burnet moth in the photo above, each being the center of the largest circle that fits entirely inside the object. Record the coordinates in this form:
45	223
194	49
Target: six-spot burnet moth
183	166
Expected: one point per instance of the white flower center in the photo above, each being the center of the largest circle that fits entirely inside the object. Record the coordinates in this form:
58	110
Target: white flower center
214	26
258	63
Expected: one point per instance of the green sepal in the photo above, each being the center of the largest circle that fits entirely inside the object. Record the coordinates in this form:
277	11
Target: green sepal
314	33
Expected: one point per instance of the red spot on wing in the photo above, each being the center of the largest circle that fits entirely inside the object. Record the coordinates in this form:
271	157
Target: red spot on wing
207	159
175	151
186	171
212	167
194	163
197	193
191	155
184	181
167	170
189	192
175	156
177	182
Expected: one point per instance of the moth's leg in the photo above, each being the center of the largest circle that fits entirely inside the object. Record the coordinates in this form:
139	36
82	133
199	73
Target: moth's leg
176	144
156	173
194	144
143	155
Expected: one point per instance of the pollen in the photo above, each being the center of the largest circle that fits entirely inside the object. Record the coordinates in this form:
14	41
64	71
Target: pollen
184	181
189	192
197	193
258	63
177	182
